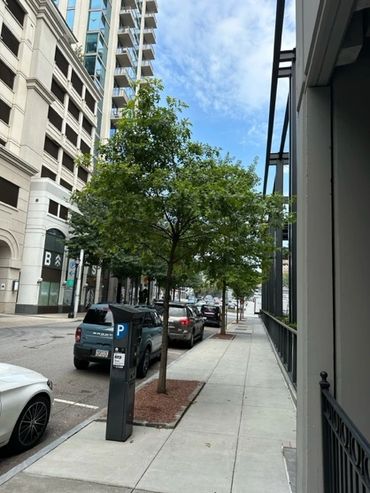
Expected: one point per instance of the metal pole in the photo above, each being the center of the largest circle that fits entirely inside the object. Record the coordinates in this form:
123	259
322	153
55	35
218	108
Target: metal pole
78	284
71	309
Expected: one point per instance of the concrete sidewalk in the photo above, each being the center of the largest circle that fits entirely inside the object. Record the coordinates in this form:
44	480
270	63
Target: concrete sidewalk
230	440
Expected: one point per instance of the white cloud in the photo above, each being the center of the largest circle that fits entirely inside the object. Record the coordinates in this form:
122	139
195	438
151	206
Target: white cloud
219	52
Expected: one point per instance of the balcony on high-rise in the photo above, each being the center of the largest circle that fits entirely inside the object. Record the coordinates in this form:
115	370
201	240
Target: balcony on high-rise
149	37
124	57
151	7
146	68
128	4
150	21
126	37
127	17
148	52
120	96
123	76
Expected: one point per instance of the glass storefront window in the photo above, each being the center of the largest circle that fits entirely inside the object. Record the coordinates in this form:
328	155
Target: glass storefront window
49	293
44	293
53	294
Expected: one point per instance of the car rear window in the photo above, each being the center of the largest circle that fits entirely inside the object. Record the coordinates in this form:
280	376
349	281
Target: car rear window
213	309
99	316
177	311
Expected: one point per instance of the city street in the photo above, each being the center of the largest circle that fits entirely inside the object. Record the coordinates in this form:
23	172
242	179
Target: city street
47	347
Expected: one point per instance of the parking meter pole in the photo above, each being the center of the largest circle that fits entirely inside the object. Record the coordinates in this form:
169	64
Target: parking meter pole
121	400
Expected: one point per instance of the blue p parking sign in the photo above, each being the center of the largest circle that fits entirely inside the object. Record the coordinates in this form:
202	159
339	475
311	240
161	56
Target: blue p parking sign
121	330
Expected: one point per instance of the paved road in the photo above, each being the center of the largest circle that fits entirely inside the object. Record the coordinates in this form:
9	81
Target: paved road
78	394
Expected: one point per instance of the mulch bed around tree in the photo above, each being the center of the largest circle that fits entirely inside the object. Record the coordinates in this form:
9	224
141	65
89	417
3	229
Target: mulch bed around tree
222	336
164	410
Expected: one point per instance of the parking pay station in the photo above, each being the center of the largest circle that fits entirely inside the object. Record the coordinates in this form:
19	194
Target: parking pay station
125	349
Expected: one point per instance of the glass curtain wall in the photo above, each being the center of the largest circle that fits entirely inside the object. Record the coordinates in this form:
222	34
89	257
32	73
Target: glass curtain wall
96	48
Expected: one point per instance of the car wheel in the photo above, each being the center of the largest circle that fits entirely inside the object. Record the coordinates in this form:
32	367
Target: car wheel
31	424
80	364
190	343
143	366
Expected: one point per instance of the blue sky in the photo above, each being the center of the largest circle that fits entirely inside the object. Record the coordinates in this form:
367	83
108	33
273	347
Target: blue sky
217	56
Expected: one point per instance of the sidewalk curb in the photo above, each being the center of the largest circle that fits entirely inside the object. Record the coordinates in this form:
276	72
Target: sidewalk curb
99	417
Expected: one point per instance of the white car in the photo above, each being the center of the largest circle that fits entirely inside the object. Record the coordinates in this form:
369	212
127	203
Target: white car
26	398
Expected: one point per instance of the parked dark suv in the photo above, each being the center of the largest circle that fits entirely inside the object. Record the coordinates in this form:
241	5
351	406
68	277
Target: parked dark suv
185	323
94	336
212	314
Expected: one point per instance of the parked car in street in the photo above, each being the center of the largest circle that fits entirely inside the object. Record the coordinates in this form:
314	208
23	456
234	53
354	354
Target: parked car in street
26	398
184	324
212	314
94	337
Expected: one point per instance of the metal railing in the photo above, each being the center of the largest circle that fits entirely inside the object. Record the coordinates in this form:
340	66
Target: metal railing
284	339
346	452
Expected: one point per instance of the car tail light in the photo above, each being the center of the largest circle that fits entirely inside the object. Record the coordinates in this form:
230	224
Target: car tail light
78	334
184	321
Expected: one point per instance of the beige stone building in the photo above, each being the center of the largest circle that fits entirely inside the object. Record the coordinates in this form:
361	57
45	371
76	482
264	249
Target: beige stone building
57	60
47	118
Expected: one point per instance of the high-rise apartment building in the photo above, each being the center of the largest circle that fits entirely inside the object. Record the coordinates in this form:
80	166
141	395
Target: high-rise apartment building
115	38
66	71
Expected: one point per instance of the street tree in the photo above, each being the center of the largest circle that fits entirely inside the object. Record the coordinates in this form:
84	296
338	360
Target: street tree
242	249
156	186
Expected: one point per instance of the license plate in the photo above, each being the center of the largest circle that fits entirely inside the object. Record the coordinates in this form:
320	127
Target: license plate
101	353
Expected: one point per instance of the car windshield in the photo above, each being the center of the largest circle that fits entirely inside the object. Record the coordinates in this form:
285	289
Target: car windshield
99	316
177	311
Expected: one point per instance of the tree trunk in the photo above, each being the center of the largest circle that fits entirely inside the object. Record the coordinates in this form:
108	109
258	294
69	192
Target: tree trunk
237	310
162	377
223	308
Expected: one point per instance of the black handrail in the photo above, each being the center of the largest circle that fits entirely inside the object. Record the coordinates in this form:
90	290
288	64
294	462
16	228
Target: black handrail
284	339
346	452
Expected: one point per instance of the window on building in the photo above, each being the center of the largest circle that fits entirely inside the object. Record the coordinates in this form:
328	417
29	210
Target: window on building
70	18
83	174
7	75
90	64
71	135
55	119
61	61
73	109
66	185
58	91
51	147
90	101
87	125
91	43
9	39
4	111
16	10
76	83
68	161
63	212
47	173
53	208
84	147
8	192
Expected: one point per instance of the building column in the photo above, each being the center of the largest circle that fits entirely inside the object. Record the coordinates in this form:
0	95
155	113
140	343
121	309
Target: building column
314	279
